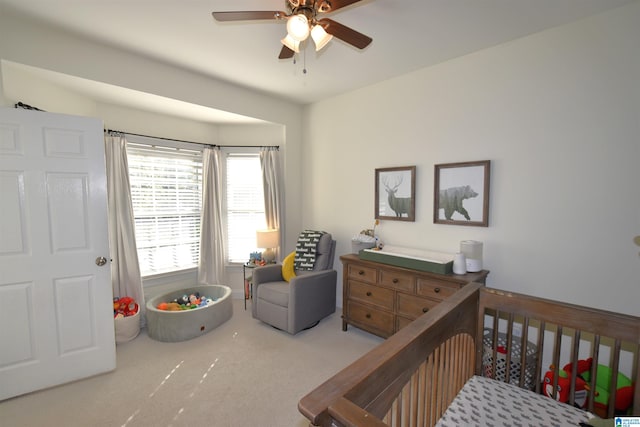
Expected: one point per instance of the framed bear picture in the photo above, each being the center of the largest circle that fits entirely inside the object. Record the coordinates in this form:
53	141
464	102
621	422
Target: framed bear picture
461	193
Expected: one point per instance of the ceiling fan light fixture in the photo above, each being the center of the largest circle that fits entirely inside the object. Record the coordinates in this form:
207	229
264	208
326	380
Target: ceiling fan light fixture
320	37
324	7
292	44
298	27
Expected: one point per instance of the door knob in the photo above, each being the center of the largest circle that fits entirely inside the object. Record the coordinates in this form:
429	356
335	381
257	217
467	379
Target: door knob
100	261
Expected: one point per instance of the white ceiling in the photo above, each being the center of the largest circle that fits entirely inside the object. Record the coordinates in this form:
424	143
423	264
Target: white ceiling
407	35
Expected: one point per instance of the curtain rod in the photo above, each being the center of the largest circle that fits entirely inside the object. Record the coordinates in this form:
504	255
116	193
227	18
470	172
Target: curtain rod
191	142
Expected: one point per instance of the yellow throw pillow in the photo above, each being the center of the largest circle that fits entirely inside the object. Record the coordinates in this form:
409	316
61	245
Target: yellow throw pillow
287	267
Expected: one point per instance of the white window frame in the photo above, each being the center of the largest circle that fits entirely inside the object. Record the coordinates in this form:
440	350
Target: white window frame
137	139
226	151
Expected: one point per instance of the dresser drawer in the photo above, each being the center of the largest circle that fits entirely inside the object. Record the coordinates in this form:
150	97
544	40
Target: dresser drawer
370	294
399	281
434	288
365	274
380	321
413	307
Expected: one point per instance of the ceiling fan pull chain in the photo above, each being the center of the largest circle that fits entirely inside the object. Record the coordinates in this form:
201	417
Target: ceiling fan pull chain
304	65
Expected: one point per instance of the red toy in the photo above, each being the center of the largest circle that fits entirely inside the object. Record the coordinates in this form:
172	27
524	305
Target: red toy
624	393
564	384
124	307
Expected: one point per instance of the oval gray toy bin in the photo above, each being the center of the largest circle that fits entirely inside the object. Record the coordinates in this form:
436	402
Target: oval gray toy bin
173	326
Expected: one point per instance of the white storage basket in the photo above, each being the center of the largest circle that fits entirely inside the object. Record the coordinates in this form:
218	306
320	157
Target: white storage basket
501	360
127	328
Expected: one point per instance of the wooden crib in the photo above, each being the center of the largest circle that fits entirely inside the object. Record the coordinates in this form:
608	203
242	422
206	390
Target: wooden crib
412	377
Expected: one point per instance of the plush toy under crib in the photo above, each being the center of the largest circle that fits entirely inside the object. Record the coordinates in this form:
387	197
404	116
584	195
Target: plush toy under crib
624	392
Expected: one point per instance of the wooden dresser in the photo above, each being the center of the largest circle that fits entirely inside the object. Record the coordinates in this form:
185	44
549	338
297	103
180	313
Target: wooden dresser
382	299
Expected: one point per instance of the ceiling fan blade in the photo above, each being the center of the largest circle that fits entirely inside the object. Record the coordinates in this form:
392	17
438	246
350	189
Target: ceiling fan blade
338	4
286	53
345	33
248	15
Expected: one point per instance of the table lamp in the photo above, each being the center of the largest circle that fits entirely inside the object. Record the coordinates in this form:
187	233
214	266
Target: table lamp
267	240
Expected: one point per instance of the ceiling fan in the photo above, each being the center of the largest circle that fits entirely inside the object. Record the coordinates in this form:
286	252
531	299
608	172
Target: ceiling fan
303	20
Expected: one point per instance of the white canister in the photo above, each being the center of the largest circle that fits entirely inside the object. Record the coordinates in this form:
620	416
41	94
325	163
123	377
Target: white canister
472	251
459	264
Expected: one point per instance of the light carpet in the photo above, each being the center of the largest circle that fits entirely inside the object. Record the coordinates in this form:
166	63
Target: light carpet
244	373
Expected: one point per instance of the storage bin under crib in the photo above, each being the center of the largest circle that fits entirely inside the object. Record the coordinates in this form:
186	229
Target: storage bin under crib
515	363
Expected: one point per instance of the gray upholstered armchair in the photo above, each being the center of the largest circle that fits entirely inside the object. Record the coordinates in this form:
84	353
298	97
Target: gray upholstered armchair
303	301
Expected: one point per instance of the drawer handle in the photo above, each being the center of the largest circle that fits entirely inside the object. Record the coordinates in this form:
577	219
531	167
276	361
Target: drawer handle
368	315
369	293
425	309
361	272
437	290
395	280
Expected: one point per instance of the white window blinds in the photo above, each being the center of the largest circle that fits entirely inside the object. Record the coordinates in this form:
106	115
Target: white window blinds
245	204
166	190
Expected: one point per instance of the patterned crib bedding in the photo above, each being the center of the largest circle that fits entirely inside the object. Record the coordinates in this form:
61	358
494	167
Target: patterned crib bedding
484	402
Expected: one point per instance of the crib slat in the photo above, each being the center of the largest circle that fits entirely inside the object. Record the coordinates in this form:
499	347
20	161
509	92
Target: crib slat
421	417
415	382
540	345
614	377
575	347
509	349
556	359
524	341
636	393
595	353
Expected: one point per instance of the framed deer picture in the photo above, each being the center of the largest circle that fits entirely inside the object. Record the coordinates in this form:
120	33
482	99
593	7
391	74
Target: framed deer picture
461	193
396	193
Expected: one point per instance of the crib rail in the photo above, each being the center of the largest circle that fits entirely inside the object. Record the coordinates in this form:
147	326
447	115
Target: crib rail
434	385
409	379
594	345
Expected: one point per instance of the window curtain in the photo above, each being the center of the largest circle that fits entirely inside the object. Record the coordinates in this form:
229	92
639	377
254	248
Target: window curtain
211	264
270	164
125	270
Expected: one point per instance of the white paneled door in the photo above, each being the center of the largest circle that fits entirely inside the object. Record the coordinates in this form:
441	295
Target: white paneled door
56	312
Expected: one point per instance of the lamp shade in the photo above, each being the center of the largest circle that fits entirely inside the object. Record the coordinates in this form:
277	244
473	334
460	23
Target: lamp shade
320	37
298	27
292	44
267	239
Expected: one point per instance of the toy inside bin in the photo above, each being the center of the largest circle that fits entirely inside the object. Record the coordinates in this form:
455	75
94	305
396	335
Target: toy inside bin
501	359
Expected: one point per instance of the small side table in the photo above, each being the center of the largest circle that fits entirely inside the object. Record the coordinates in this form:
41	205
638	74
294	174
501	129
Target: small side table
247	281
248	286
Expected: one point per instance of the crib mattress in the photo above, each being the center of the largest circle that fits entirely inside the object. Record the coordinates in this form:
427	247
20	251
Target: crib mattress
484	402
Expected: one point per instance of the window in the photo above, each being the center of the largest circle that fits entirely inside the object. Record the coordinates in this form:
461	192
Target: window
166	191
245	204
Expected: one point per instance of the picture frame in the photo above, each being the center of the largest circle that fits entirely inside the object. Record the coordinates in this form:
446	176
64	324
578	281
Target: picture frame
395	193
461	193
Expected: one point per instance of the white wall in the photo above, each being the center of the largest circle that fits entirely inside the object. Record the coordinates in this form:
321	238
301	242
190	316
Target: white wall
558	115
31	43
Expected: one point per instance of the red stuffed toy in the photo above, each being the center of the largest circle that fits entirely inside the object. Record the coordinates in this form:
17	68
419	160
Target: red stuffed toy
564	384
624	392
124	307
